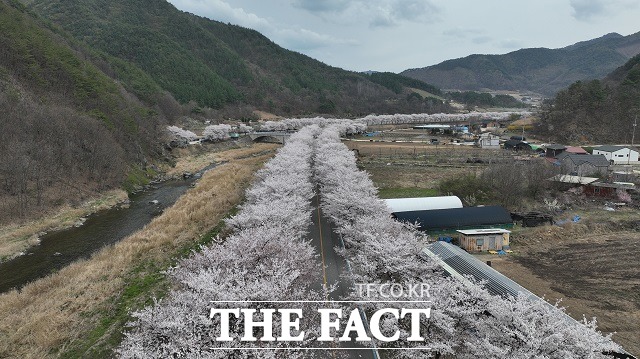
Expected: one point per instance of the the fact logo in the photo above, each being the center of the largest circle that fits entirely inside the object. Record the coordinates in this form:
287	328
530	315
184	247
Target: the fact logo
405	305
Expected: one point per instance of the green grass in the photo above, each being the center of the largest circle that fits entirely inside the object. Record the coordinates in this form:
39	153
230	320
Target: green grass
407	192
137	178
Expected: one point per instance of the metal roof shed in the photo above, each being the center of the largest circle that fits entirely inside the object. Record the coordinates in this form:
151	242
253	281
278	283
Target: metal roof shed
460	264
423	203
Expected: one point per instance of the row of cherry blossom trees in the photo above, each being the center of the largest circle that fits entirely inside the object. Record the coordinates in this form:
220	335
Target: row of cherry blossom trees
348	127
359	125
466	320
437	117
181	137
265	259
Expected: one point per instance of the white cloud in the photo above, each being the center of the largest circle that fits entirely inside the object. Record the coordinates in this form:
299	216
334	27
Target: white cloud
322	6
291	37
303	39
377	13
590	10
586	10
222	11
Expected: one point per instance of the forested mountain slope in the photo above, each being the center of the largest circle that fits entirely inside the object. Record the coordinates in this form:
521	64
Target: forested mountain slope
540	70
216	64
66	128
598	111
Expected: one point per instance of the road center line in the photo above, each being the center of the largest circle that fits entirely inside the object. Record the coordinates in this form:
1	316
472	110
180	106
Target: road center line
324	271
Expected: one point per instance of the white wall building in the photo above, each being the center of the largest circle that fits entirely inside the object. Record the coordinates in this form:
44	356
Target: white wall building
617	154
488	140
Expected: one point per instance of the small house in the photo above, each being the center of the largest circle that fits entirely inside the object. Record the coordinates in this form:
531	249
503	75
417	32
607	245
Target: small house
553	150
576	150
568	181
489	141
607	190
479	240
617	154
517	145
583	165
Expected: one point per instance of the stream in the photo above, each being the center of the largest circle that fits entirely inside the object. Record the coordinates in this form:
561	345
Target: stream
59	249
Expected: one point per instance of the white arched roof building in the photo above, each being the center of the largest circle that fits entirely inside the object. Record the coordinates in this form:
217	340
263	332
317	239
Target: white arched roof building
423	203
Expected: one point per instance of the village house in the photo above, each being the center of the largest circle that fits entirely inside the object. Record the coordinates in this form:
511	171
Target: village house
517	145
576	150
583	165
617	154
488	141
553	150
607	190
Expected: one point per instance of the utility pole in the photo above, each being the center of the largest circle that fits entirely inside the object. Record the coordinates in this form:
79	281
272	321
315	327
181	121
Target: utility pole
633	136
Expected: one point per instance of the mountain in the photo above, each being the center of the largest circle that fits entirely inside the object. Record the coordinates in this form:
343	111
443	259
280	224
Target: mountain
539	70
213	64
597	111
66	128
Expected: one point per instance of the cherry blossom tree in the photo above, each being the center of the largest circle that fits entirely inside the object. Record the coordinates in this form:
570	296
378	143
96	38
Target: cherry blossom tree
242	128
179	137
217	132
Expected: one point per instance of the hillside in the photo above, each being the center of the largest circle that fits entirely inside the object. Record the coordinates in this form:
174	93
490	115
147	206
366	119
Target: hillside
214	64
539	70
597	111
67	130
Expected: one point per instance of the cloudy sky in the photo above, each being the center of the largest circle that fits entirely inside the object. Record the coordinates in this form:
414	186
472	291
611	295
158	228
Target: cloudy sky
395	35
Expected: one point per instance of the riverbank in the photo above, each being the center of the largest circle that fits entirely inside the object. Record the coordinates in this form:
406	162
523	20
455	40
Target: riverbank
81	310
16	238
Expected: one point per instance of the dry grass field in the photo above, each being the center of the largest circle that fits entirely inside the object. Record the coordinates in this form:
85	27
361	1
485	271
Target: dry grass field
81	310
401	169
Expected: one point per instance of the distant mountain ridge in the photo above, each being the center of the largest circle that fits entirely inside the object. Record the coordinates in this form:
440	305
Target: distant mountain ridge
214	64
539	70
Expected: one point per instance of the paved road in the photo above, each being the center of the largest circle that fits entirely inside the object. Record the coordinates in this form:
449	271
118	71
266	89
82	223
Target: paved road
324	240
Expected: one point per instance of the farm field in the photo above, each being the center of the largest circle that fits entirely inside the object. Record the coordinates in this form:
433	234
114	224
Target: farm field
414	169
595	275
